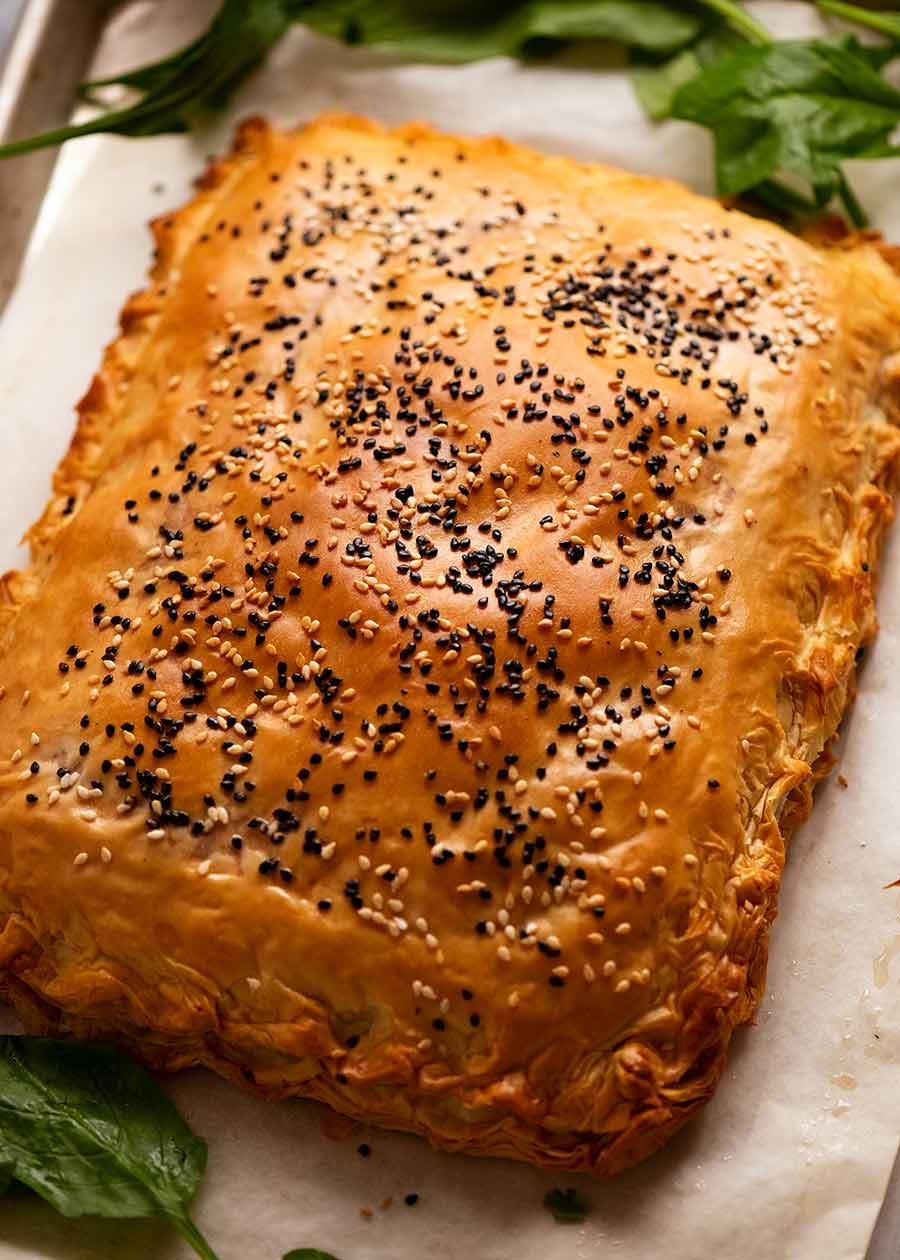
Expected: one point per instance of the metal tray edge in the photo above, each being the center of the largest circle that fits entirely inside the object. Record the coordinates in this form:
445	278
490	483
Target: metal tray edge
52	46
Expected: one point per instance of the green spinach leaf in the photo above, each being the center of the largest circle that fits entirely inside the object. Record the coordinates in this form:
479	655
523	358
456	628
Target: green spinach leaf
567	1207
308	1253
470	30
93	1134
796	109
181	89
656	82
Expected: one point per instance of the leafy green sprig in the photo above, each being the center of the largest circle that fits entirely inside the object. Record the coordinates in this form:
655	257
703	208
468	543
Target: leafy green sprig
567	1206
93	1134
785	114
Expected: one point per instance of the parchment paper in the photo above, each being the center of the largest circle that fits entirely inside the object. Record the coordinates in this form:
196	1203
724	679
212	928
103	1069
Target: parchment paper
791	1159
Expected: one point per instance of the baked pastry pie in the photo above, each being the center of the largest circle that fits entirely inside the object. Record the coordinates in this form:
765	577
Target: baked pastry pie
436	630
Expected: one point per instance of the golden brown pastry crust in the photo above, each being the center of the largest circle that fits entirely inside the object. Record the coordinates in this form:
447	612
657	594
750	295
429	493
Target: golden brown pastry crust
533	931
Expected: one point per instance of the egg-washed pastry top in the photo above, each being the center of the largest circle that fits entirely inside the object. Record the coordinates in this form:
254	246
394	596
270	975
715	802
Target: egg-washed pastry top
435	631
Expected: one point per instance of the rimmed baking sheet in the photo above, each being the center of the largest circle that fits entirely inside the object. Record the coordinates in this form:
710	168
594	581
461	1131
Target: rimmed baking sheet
791	1159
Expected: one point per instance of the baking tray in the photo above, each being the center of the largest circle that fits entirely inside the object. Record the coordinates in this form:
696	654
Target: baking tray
51	49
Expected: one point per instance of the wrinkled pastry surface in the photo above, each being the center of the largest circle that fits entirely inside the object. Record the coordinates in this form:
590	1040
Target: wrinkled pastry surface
438	624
